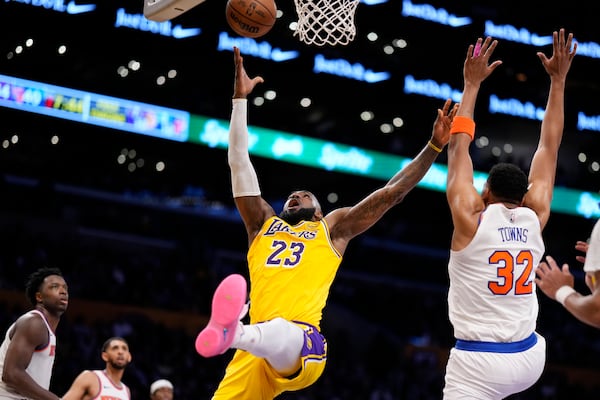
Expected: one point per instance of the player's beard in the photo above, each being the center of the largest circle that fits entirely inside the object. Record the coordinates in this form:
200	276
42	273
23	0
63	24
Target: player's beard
118	365
294	217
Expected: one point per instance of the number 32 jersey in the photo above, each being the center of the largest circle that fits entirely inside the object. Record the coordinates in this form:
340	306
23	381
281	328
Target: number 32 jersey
291	271
492	295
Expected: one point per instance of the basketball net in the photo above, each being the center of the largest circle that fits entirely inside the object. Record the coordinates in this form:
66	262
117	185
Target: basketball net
322	22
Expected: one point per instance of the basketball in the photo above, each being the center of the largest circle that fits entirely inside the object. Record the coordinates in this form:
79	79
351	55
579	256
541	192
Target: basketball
251	18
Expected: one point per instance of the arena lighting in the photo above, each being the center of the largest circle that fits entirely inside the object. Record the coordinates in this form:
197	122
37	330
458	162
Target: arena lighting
344	68
60	6
252	47
165	28
428	12
147	119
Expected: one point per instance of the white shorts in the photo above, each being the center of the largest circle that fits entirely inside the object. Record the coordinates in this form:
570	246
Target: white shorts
486	375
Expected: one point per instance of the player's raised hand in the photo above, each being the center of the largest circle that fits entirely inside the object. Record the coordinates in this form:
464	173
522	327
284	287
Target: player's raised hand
243	84
477	65
564	49
443	123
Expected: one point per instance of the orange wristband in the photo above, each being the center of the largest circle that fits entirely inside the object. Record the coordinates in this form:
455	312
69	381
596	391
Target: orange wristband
463	125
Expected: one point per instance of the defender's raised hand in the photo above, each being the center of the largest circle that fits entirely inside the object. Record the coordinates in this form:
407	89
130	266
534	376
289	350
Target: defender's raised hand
564	49
477	67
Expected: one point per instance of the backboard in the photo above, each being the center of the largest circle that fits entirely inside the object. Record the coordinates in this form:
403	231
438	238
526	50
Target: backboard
163	10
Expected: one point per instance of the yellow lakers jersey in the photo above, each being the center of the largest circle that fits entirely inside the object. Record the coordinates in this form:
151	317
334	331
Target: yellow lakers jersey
291	271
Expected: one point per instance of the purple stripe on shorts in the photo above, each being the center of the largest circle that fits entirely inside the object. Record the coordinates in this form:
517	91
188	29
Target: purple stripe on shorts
314	343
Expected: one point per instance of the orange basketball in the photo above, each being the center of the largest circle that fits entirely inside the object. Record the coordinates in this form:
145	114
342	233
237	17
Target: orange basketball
251	18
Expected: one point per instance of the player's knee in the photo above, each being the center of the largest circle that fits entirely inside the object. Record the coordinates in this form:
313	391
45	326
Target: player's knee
289	335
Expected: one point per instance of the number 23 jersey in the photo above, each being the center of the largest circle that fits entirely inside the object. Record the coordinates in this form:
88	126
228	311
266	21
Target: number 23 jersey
291	269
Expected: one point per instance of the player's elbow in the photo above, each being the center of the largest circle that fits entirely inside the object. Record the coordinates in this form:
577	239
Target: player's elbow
594	318
595	323
10	376
238	161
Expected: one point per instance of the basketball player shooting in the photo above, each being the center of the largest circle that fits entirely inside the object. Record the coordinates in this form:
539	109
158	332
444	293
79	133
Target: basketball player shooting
293	258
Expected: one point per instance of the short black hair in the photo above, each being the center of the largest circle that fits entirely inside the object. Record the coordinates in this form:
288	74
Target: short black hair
35	280
106	343
508	182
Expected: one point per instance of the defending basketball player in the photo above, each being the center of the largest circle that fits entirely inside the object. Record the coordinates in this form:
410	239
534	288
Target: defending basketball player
293	258
497	242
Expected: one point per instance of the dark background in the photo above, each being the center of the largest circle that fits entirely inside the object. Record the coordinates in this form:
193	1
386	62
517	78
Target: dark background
124	247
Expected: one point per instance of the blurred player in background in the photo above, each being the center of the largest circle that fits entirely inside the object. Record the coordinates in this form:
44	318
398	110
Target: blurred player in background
106	383
29	347
161	389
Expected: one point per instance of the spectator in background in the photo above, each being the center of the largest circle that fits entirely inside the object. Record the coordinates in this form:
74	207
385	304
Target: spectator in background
557	283
161	389
104	384
29	347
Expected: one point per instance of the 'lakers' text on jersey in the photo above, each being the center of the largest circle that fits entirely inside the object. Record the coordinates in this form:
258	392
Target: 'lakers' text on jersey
291	265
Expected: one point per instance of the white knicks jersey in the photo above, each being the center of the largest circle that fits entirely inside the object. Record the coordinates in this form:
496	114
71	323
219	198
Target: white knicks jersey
40	366
110	391
492	295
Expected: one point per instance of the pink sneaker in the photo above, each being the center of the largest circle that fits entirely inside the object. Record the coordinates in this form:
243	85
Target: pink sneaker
228	305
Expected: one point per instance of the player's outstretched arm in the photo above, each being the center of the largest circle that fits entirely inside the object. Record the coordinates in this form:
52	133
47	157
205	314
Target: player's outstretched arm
543	165
347	223
253	209
557	283
463	199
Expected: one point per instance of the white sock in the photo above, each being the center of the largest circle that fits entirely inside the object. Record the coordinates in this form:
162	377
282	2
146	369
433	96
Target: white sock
278	341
